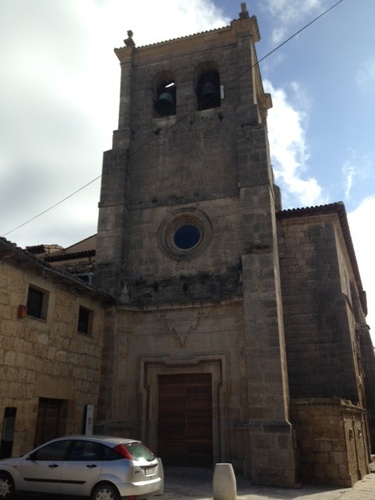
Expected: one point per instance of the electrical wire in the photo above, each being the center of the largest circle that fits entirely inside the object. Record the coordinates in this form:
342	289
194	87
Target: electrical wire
53	206
182	119
298	32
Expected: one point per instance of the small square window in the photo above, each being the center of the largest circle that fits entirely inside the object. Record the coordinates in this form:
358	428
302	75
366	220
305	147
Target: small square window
37	302
85	320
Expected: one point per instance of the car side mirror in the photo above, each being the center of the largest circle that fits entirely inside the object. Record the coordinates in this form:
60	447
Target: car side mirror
31	457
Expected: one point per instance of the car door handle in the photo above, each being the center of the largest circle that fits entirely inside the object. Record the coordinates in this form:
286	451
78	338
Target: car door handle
53	466
91	466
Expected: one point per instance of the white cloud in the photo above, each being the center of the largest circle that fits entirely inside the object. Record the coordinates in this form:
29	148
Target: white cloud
358	173
350	171
365	77
59	88
290	10
288	13
173	19
360	220
289	151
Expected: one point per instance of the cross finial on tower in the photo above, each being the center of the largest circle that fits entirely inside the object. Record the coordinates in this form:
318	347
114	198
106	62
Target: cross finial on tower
244	14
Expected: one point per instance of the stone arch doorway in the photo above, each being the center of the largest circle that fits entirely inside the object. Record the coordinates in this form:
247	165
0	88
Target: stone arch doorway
185	419
194	380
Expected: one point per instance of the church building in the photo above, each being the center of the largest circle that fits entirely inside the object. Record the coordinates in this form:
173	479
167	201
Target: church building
239	331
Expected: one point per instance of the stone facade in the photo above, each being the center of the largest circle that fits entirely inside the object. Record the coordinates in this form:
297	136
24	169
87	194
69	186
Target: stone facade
214	306
46	361
238	330
214	282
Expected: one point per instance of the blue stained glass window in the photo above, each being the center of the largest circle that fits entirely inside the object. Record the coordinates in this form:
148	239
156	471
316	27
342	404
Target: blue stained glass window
186	236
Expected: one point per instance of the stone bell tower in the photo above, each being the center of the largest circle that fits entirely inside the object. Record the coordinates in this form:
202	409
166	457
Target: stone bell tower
187	243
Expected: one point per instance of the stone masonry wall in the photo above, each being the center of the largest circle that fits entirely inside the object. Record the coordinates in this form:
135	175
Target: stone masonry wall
331	440
171	341
318	335
188	160
148	254
46	358
209	169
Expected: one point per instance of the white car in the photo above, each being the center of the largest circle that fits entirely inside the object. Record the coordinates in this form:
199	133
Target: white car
95	467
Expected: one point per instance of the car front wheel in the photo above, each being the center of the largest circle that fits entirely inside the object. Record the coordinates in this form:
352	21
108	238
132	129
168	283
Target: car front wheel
104	492
6	487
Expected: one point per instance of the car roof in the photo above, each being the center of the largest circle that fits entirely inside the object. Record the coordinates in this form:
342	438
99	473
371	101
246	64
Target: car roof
108	440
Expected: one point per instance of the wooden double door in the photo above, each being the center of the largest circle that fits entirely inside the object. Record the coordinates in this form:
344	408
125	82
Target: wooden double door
185	420
50	422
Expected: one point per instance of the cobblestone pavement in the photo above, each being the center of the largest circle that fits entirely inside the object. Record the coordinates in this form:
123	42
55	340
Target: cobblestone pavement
194	483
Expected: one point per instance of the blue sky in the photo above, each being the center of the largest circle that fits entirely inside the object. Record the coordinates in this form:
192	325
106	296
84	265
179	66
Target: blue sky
59	89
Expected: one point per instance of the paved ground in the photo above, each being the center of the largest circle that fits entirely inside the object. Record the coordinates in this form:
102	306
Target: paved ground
194	483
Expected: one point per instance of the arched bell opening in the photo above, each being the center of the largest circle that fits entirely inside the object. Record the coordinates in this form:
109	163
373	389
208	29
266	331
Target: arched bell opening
208	90
164	94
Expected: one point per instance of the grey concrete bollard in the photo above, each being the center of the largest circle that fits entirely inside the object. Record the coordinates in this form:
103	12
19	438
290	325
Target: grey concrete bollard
161	474
224	482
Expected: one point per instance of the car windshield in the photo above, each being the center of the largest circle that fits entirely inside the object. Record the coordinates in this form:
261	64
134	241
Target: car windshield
139	451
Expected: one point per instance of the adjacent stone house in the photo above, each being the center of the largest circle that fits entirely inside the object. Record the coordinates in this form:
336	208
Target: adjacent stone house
51	336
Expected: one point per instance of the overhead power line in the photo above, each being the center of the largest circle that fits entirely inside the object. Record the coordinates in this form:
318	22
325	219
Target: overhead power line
53	206
299	31
183	118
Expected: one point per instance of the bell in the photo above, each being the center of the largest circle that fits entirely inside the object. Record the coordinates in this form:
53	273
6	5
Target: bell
165	104
209	95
